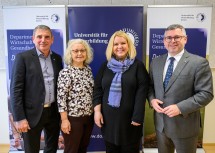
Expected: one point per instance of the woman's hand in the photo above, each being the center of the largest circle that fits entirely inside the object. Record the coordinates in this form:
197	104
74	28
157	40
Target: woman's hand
135	123
65	126
98	118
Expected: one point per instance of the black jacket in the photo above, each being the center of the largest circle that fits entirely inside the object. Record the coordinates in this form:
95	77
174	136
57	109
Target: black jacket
117	128
27	89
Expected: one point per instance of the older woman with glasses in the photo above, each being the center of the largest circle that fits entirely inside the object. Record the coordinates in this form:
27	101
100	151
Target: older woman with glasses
74	96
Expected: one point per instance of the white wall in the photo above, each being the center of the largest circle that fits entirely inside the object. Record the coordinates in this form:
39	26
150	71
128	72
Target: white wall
209	126
4	132
209	132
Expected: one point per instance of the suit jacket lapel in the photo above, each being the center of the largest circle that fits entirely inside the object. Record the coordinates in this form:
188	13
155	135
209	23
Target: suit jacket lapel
161	69
54	66
36	60
181	64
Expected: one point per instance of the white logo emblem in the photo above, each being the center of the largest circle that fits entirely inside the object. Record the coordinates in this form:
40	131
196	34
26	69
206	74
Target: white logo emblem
133	35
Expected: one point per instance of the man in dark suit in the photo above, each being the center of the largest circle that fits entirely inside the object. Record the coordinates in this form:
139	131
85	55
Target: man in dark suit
33	92
177	98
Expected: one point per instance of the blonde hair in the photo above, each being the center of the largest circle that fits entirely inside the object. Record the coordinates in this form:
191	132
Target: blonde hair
131	48
89	50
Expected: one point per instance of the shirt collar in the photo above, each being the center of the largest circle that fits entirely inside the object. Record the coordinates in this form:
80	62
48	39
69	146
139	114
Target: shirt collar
39	53
177	56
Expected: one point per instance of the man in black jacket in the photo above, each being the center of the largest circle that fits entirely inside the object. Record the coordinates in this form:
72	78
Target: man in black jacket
33	92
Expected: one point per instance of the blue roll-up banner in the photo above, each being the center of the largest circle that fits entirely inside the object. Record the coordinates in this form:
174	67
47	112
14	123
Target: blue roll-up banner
19	22
96	25
197	22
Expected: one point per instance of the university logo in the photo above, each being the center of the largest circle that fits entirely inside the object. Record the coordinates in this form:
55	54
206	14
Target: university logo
133	35
55	18
200	17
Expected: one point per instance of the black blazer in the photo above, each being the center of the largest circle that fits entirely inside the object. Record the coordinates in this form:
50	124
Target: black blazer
27	89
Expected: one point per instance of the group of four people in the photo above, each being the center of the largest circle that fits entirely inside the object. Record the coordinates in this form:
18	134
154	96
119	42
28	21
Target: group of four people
115	101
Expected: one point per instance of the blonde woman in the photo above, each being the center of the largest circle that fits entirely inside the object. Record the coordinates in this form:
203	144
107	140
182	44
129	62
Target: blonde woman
121	87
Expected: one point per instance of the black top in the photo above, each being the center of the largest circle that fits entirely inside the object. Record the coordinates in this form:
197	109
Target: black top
117	128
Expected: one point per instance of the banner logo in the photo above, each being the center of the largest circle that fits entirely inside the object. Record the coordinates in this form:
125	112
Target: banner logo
200	17
55	18
133	35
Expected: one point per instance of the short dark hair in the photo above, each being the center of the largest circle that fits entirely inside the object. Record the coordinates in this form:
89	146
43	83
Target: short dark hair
44	27
175	26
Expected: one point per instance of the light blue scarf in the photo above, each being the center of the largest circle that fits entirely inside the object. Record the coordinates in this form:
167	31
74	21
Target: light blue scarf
118	68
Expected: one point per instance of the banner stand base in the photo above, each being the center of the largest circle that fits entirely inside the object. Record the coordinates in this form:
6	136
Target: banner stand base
145	150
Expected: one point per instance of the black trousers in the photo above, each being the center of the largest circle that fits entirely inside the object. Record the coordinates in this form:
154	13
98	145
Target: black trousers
50	123
131	148
78	139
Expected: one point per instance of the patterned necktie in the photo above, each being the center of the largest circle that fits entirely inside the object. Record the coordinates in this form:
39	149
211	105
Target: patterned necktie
169	72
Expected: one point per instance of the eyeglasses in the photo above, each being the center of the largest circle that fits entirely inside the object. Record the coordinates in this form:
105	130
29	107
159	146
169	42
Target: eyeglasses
79	51
176	38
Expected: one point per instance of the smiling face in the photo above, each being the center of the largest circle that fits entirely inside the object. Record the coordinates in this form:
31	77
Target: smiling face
120	48
79	55
174	41
43	40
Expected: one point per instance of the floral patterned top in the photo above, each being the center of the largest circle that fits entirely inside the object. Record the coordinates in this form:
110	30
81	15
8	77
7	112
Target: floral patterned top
75	91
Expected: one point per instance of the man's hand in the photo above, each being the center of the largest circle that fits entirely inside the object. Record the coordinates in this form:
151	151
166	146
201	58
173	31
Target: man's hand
171	110
156	105
22	126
